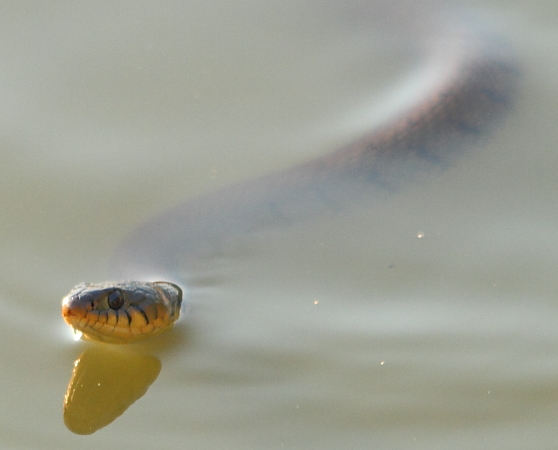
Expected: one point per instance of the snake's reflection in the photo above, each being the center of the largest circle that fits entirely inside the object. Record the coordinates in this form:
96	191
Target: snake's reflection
104	383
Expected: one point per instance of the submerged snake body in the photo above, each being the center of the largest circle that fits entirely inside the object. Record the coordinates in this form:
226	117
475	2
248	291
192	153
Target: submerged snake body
468	83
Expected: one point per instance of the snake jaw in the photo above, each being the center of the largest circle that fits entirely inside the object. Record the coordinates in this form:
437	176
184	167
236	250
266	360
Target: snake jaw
122	312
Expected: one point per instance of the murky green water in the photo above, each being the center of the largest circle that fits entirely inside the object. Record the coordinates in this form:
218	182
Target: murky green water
348	333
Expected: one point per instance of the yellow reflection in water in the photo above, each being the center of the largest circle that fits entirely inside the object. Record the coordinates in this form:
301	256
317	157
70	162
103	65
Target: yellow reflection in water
104	384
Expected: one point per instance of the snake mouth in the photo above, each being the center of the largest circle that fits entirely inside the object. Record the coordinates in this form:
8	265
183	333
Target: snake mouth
88	324
72	314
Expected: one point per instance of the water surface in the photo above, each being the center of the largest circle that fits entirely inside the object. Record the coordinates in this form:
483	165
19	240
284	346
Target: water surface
426	319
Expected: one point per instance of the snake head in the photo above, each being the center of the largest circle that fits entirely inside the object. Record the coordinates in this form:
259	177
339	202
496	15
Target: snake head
122	312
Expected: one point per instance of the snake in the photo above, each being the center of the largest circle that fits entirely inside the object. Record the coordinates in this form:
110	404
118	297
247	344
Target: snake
466	84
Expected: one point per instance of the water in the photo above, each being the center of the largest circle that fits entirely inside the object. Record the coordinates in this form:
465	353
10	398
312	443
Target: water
351	332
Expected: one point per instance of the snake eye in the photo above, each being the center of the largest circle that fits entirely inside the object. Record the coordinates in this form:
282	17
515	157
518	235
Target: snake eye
115	299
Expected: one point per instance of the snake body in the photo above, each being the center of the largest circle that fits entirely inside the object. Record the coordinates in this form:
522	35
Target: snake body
468	80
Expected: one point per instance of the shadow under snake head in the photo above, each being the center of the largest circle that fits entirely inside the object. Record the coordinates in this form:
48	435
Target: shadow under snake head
122	312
